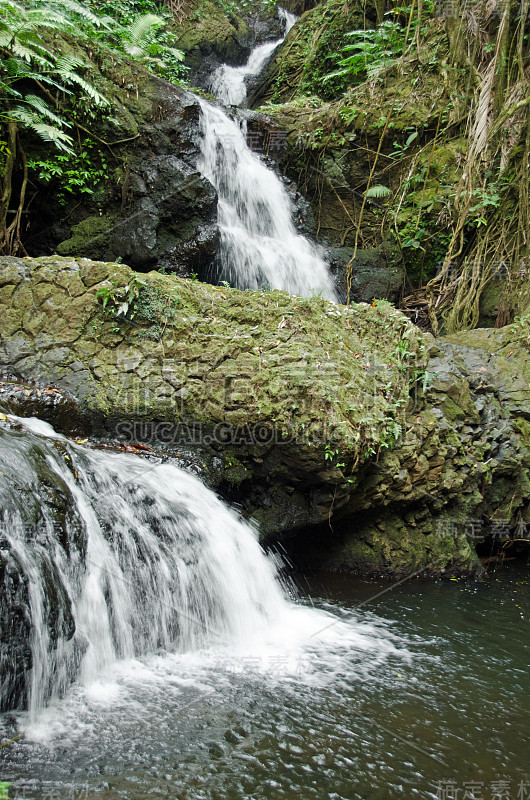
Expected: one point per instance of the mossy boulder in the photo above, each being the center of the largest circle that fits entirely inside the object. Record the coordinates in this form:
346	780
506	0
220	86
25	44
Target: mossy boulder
306	413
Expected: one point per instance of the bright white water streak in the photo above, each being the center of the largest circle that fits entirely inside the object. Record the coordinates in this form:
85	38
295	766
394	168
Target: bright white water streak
260	245
228	84
168	587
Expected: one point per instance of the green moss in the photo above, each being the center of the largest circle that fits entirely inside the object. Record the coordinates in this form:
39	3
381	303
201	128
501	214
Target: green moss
303	366
89	235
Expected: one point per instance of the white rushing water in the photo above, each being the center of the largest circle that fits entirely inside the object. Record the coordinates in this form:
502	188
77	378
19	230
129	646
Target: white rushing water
153	566
228	84
162	563
260	246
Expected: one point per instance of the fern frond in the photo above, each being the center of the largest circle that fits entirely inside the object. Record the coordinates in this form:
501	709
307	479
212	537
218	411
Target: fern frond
133	50
138	29
29	48
338	73
42	108
378	191
8	90
26	53
69	63
83	11
73	77
31	39
15	69
48	133
50	82
178	55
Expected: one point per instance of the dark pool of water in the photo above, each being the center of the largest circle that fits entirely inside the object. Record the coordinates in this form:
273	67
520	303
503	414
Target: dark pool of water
431	699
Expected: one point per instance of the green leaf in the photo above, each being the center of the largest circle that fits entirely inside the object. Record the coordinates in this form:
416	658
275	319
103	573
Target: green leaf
145	24
378	191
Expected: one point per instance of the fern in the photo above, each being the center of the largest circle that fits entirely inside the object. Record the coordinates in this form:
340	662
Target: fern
83	11
178	55
378	191
66	67
140	28
41	107
49	133
91	91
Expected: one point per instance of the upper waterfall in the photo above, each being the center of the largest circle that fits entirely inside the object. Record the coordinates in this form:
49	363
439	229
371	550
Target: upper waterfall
260	246
228	84
259	242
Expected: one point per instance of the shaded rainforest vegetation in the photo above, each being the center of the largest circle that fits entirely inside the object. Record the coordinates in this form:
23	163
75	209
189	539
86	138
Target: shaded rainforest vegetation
417	130
408	126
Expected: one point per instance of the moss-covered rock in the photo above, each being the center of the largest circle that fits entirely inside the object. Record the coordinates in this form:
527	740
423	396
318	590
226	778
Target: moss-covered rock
305	412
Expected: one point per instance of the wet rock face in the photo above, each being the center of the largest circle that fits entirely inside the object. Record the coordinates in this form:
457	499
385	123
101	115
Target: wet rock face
37	516
160	213
360	442
376	273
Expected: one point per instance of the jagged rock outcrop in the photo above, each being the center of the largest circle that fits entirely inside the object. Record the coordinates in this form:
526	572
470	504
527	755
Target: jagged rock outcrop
146	203
345	421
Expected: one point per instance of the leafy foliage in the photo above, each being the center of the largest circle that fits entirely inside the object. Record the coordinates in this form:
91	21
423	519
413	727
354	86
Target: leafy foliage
378	191
368	52
52	92
74	173
139	303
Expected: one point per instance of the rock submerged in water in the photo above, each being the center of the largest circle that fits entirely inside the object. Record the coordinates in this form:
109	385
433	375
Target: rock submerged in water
360	442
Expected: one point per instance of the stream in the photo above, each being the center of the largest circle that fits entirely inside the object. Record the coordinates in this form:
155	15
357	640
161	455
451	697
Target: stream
171	657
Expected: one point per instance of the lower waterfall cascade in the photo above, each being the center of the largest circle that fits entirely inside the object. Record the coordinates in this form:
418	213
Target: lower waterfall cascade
147	560
167	660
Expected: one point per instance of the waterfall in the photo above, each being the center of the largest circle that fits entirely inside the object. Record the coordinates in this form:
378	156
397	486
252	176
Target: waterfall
142	558
228	84
259	244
